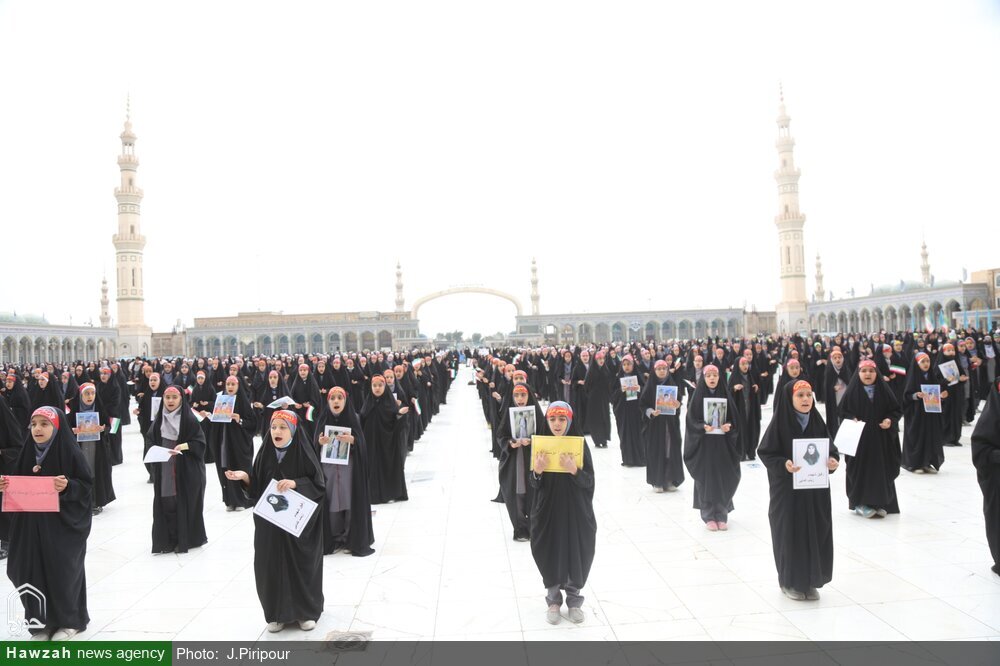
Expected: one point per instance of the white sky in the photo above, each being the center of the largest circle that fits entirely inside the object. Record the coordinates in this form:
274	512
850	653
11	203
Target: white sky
301	150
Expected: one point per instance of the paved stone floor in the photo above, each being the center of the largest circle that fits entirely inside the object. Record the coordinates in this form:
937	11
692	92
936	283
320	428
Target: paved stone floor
446	567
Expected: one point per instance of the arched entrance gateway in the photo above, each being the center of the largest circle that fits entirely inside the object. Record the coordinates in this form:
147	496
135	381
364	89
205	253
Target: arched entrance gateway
468	289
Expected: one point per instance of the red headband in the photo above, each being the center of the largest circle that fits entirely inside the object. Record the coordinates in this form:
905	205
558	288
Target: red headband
49	413
335	390
711	368
287	416
520	373
559	410
378	378
948	345
801	384
792	362
172	388
154	374
920	356
521	388
44	374
87	385
867	363
105	371
200	373
661	364
303	365
234	378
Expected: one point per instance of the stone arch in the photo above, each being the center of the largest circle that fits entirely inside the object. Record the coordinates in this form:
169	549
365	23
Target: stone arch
333	342
368	340
585	333
316	343
890	322
266	345
465	290
950	308
718	327
865	321
567	333
198	345
282	345
668	330
619	331
684	330
230	346
384	339
732	328
821	324
652	331
351	341
9	351
214	345
700	328
91	353
299	344
602	333
906	318
55	350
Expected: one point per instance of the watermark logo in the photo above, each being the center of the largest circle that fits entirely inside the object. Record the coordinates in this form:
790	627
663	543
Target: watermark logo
23	597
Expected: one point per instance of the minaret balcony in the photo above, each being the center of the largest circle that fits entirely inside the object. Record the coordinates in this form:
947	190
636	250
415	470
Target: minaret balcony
129	243
128	160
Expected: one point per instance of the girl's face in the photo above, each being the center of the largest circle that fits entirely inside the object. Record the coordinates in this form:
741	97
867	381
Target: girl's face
627	365
337	402
281	434
699	362
378	388
744	364
711	379
43	381
272	379
232	386
88	396
41	429
794	370
154	382
172	400
585	356
558	424
520	399
661	371
200	379
924	363
303	372
803	400
867	375
600	360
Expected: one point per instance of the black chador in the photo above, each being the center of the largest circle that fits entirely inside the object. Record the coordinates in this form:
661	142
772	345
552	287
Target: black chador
110	396
801	521
597	388
515	465
232	447
746	398
97	452
563	524
713	458
986	458
662	433
179	483
922	430
871	474
48	550
628	417
385	436
288	569
833	378
12	436
347	509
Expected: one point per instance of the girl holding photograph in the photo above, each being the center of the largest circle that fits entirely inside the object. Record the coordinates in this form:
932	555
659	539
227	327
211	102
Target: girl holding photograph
563	525
232	444
288	569
628	417
515	465
97	452
801	520
347	509
712	451
664	457
923	432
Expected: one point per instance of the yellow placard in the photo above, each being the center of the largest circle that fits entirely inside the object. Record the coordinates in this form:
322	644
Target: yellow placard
555	446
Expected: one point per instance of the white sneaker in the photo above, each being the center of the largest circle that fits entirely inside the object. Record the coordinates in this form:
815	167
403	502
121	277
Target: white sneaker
657	489
230	508
552	615
275	627
64	634
40	636
671	488
307	625
575	615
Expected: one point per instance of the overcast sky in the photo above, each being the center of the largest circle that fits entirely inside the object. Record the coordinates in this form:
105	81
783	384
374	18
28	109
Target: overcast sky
292	152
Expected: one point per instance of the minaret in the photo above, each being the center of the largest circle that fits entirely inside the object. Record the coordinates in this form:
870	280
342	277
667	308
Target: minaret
105	317
399	287
134	337
925	267
534	287
791	311
820	292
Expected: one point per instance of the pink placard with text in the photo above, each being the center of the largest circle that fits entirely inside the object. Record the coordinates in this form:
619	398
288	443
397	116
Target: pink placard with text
35	494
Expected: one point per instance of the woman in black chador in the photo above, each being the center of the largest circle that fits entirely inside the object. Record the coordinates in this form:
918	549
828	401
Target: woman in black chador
305	391
628	417
712	452
382	420
515	462
597	388
801	520
48	550
232	444
179	483
871	474
97	452
986	458
288	569
664	455
563	525
746	399
347	509
923	432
